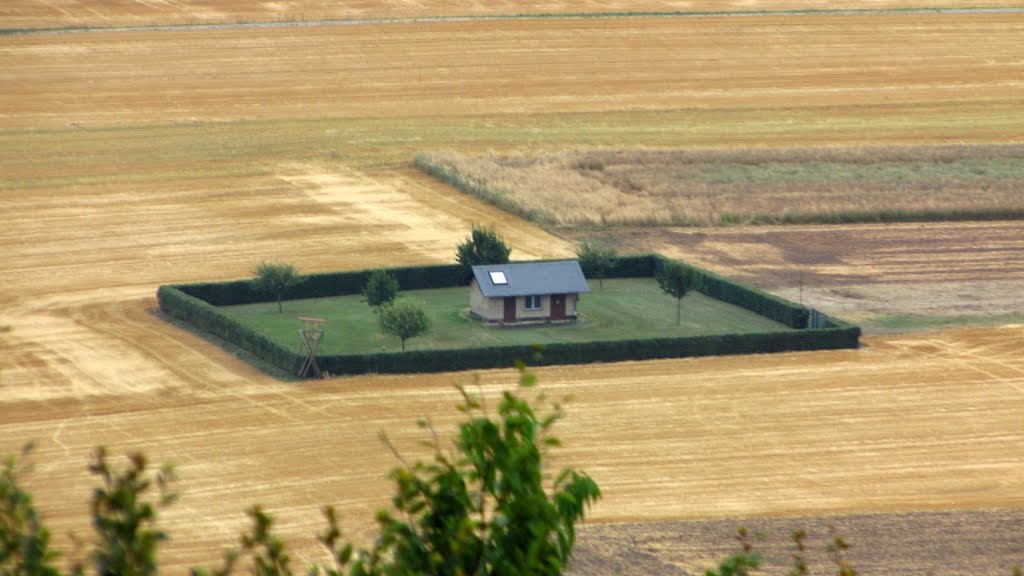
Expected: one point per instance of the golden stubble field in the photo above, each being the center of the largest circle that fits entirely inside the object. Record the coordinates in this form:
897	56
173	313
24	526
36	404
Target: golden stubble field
132	159
86	13
880	69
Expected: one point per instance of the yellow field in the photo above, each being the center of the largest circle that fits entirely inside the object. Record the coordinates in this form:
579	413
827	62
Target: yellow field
622	187
132	159
870	73
64	13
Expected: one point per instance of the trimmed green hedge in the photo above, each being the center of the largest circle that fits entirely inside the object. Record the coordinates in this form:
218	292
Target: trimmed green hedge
197	304
421	361
208	318
328	284
762	303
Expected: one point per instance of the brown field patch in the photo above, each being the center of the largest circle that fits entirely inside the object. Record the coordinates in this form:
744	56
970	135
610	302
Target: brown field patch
924	253
862	272
975	542
103	13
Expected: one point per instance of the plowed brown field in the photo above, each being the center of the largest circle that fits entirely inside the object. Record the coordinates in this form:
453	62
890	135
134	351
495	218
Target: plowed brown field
131	159
862	272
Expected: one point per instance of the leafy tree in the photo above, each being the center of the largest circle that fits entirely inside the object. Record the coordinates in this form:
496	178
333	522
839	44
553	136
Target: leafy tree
404	319
677	281
482	508
485	509
124	521
484	246
596	259
24	541
274	278
381	288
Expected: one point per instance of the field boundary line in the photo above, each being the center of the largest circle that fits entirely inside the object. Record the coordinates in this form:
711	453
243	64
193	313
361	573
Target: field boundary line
242	25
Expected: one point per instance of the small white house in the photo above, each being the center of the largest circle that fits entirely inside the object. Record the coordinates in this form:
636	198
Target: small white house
527	292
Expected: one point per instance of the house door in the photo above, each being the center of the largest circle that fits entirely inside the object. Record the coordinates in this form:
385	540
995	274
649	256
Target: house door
558	306
510	309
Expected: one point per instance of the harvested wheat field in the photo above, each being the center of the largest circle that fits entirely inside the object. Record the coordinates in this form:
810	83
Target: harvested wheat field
879	72
28	14
136	158
909	423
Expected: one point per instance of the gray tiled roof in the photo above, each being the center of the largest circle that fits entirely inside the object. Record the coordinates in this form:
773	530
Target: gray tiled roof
532	279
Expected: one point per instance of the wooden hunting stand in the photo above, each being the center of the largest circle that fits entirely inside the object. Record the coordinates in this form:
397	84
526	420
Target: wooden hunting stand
312	334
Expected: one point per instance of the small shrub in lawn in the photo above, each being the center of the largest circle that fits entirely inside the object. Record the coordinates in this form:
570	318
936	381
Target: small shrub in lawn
596	260
404	319
275	278
677	281
381	288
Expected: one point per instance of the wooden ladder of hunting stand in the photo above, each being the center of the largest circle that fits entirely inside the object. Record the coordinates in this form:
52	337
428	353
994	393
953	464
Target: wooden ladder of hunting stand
312	333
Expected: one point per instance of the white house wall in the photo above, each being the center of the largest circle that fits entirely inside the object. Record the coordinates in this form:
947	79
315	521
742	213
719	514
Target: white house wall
523	314
487	308
493	309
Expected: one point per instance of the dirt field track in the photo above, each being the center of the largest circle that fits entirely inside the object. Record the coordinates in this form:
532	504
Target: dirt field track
131	159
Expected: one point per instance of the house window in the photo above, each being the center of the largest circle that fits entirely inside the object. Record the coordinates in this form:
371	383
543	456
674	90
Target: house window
498	278
531	303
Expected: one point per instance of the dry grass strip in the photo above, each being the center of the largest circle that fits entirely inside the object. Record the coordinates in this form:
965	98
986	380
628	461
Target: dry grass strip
745	186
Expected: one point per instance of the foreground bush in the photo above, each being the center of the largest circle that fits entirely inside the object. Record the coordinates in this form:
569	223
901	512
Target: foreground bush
482	508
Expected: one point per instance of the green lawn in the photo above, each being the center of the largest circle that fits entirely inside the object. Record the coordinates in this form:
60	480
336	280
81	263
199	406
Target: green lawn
628	308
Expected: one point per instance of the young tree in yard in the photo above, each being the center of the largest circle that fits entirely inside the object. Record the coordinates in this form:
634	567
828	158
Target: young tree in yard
381	288
677	280
404	319
596	259
274	278
484	246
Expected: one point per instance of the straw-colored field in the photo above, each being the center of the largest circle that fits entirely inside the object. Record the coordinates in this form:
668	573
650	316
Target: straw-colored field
90	13
616	187
131	159
711	81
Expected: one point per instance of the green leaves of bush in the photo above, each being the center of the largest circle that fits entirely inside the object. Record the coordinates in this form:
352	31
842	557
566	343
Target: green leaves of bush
275	278
381	288
24	541
404	319
484	246
124	520
485	508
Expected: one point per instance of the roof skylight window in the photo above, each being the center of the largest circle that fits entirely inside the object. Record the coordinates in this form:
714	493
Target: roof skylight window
498	278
